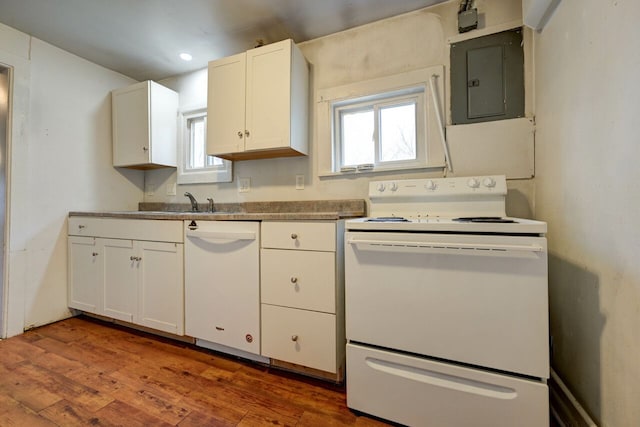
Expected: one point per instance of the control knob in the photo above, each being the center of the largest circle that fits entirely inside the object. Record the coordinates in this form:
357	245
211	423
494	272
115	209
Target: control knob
430	185
381	187
393	186
473	183
489	182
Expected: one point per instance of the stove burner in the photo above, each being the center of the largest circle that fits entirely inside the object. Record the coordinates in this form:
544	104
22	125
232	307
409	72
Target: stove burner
489	219
388	219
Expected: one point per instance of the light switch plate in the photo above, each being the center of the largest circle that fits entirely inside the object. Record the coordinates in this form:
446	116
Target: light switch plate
171	189
149	189
299	182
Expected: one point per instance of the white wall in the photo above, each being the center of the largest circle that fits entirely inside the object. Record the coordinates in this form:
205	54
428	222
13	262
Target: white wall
60	161
406	42
587	188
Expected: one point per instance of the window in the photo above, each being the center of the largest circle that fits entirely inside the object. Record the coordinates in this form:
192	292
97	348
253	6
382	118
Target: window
380	131
382	124
195	166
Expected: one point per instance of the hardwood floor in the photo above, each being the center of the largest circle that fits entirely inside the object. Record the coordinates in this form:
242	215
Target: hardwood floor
81	372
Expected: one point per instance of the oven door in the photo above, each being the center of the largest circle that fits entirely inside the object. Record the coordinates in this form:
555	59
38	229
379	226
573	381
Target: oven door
476	299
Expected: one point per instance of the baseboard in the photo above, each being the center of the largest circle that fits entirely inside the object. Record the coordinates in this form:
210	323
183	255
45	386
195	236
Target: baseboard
565	409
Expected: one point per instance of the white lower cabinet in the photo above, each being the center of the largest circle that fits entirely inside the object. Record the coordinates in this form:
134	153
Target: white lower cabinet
302	295
85	274
133	280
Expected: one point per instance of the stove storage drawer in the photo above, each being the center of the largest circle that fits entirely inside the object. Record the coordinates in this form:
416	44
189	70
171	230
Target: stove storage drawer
418	391
299	279
299	235
306	338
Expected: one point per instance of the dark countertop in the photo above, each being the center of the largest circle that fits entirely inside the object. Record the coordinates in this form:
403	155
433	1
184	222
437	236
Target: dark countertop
309	210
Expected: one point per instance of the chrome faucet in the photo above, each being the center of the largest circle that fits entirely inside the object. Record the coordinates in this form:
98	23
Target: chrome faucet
211	208
194	202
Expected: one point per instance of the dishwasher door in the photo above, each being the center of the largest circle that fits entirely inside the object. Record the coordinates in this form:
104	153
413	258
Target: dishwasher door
222	283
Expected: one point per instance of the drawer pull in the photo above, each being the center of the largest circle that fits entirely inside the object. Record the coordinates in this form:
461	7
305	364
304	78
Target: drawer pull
218	328
294	236
294	280
294	338
80	226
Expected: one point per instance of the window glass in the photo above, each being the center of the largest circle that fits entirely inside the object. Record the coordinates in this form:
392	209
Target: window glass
398	133
195	165
357	135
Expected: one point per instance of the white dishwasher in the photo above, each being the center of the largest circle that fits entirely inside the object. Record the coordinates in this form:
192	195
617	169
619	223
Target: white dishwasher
222	285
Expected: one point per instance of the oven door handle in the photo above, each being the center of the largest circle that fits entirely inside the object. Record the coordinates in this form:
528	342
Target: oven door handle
391	244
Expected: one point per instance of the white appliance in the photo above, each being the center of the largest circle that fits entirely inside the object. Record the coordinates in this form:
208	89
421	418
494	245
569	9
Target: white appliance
222	286
446	306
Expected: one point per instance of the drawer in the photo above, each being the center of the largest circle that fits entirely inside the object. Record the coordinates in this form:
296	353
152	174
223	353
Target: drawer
299	279
133	229
410	390
298	336
313	236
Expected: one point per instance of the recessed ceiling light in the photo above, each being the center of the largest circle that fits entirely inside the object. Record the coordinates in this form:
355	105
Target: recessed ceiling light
186	57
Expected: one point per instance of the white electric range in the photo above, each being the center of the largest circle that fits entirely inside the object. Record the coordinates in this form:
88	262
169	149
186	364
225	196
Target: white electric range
446	306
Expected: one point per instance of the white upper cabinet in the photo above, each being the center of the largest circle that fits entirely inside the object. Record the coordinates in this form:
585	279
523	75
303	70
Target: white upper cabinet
258	104
144	126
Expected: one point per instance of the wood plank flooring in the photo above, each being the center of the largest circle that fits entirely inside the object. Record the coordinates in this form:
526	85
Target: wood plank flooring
84	372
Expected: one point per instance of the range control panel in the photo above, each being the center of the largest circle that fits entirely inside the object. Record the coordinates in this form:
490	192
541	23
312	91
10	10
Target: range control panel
439	187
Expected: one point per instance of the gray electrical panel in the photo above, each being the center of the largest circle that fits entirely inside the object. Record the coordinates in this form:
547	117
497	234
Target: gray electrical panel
487	78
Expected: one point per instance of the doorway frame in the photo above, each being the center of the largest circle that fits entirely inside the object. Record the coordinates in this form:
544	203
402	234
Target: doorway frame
13	283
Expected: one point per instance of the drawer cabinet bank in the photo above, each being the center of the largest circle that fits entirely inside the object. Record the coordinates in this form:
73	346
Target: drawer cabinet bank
129	268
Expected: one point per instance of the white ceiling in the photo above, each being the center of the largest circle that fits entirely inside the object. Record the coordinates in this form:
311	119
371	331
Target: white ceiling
143	38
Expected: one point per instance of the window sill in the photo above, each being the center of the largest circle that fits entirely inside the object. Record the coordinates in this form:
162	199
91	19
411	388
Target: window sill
331	174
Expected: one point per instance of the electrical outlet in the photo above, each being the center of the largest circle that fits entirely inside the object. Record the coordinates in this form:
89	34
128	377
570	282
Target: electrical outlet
171	189
244	185
299	182
149	189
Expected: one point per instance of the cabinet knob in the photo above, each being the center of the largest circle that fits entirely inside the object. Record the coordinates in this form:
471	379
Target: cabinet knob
135	258
94	254
145	149
294	280
294	338
132	258
246	132
294	236
80	226
240	134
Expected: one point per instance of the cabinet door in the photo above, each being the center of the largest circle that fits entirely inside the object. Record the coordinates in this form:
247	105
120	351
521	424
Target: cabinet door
120	279
222	290
226	105
130	107
161	303
85	274
268	96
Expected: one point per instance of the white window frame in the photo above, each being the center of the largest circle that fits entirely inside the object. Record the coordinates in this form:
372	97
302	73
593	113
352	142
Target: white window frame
415	95
208	174
428	144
